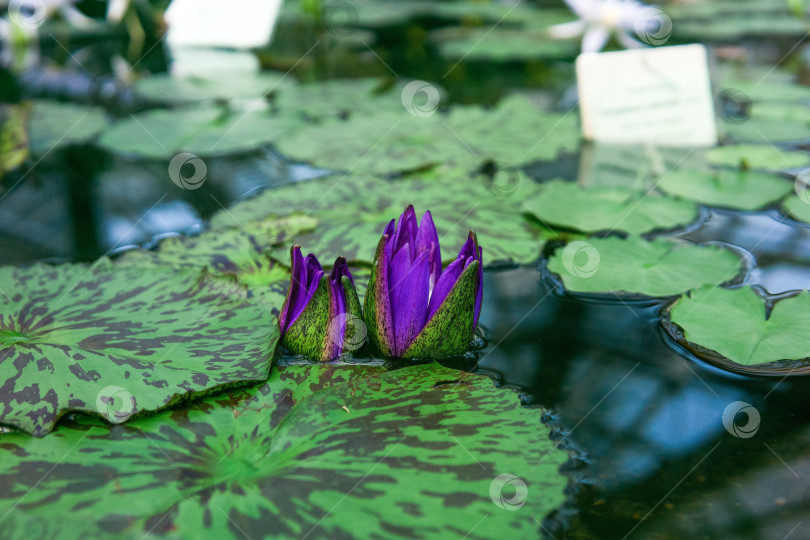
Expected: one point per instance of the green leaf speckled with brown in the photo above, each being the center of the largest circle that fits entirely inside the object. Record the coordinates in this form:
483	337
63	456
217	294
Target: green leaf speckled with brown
316	451
354	210
70	332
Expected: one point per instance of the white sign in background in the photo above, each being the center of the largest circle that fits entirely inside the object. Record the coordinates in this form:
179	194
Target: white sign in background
659	96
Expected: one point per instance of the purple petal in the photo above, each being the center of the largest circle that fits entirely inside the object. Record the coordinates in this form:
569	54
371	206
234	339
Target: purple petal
407	230
444	285
297	277
399	267
306	276
411	303
428	239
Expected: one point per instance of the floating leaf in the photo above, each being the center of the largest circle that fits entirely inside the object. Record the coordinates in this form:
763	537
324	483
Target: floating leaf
773	122
382	143
659	267
501	44
228	85
798	207
13	136
353	211
312	452
54	124
602	208
757	157
342	98
515	132
735	323
232	252
71	333
741	189
202	130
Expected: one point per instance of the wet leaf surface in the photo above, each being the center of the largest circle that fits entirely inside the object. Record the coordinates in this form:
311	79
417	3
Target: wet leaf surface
312	452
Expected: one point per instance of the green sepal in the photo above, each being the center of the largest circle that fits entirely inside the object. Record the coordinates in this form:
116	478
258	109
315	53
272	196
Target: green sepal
450	331
308	334
379	322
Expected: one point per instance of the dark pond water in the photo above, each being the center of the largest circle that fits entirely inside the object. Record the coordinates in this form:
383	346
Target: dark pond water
641	415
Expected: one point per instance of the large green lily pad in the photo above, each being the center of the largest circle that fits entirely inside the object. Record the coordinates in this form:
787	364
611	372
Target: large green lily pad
53	124
604	208
74	337
202	130
735	323
774	122
353	211
740	189
659	267
501	44
316	452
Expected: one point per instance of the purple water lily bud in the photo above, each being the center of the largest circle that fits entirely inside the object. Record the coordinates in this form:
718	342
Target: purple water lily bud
413	308
321	316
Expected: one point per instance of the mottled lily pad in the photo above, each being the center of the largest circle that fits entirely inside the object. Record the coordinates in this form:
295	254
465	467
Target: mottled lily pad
353	211
73	337
381	143
659	267
737	324
740	189
422	452
202	130
603	208
54	124
232	253
755	156
515	131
